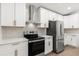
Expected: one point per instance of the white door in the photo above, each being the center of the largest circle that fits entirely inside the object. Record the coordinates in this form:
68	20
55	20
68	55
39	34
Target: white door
7	14
21	14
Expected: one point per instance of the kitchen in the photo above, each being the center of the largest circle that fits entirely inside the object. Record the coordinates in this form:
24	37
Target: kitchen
37	29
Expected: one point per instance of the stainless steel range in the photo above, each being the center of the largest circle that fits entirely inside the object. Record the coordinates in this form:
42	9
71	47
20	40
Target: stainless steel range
36	44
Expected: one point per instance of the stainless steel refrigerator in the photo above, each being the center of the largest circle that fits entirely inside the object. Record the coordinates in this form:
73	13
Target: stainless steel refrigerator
56	29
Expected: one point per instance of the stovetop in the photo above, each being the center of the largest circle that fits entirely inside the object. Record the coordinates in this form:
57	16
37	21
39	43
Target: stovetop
32	37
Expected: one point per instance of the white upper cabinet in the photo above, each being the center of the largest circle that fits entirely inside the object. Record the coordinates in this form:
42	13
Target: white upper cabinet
71	21
60	17
21	14
67	22
14	14
52	16
47	15
75	20
43	17
7	14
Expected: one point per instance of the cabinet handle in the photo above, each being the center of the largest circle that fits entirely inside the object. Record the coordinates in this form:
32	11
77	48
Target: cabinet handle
72	26
16	52
71	39
15	43
49	43
14	22
53	18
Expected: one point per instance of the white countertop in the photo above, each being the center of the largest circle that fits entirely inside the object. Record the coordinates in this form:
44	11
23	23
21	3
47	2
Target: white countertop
13	40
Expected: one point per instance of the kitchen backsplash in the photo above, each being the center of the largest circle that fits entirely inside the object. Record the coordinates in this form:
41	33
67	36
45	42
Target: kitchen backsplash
12	32
71	31
41	31
17	32
31	28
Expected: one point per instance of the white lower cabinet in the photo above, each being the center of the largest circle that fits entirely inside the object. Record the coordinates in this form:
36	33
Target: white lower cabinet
67	39
75	40
48	45
20	48
72	40
6	50
14	49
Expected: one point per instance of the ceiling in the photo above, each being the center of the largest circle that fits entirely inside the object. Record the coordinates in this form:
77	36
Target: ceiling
62	8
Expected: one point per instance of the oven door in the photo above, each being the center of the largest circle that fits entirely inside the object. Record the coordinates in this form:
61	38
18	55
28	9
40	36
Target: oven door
36	48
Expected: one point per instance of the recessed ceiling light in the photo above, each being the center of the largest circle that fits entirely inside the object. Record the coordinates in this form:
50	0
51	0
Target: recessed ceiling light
69	8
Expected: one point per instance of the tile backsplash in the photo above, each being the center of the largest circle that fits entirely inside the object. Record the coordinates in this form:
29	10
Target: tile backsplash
12	32
71	31
31	28
41	31
17	32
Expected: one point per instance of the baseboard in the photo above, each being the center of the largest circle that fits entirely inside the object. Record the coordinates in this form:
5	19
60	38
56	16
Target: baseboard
71	46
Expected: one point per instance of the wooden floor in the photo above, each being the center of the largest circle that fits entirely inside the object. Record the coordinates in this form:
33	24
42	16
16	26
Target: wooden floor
68	51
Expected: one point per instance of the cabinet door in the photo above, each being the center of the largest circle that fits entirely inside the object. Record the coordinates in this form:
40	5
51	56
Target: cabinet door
6	50
52	16
75	40
74	18
60	17
68	40
71	21
48	45
23	49
20	48
67	22
7	14
21	14
44	17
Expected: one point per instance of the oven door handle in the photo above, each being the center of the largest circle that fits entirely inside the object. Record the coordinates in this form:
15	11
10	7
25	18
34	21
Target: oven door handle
36	40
